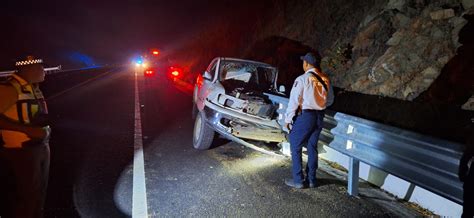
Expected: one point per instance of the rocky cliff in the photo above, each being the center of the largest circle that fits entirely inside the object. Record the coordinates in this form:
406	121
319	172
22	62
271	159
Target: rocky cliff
396	48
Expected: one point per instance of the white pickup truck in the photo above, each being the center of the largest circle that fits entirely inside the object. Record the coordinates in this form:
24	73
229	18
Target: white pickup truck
239	100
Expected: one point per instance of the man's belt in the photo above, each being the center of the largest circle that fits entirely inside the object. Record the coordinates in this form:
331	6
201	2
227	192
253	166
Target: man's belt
313	110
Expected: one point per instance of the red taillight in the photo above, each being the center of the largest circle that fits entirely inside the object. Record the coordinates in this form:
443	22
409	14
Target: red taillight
149	72
175	73
199	80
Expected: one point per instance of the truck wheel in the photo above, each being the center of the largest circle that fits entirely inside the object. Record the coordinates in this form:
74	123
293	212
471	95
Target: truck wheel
203	134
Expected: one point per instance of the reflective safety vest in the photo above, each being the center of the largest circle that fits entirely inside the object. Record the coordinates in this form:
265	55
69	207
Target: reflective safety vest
30	108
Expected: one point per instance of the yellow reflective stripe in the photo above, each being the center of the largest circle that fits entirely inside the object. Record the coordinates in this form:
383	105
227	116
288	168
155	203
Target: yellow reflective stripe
24	112
34	109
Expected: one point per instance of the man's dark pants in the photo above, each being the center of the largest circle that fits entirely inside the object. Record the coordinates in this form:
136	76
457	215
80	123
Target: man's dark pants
24	178
305	132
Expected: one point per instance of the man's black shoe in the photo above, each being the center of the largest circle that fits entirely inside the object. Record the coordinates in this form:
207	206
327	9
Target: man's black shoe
310	184
291	183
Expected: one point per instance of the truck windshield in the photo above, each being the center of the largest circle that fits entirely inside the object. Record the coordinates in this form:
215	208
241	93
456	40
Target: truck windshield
256	75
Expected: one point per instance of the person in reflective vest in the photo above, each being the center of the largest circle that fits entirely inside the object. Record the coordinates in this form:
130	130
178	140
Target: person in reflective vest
24	142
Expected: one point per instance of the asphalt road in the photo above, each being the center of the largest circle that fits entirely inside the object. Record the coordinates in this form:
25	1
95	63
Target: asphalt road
92	156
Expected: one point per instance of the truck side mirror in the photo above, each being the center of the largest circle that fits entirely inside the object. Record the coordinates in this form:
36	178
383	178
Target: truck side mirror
282	89
207	76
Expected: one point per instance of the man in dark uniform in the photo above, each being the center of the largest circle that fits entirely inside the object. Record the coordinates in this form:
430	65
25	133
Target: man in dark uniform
24	135
309	97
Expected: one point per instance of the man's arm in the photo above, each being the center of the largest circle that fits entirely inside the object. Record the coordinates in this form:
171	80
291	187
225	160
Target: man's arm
8	98
296	95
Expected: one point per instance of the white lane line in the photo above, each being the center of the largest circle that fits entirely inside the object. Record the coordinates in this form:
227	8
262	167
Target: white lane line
139	200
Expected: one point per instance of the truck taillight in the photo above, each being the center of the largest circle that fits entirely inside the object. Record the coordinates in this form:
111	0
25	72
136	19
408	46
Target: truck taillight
199	80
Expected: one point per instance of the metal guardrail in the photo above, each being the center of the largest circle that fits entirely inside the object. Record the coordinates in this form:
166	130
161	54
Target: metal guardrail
422	160
49	70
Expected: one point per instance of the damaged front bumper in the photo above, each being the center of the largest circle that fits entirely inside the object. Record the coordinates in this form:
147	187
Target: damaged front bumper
243	125
217	116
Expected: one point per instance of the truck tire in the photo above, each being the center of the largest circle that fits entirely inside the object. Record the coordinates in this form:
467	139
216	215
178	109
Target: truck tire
203	134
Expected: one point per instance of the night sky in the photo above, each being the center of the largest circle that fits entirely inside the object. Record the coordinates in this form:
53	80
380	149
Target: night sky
80	33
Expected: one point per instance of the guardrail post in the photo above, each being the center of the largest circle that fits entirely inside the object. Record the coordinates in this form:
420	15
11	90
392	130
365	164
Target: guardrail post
353	178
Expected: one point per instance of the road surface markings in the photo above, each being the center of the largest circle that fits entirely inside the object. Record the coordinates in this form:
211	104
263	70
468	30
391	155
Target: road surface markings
139	200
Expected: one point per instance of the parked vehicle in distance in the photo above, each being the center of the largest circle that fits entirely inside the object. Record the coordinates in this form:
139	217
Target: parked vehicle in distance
149	72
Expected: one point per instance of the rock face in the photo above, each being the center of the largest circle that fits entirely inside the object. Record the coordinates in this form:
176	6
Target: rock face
396	4
442	14
467	4
400	51
455	83
392	48
469	105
